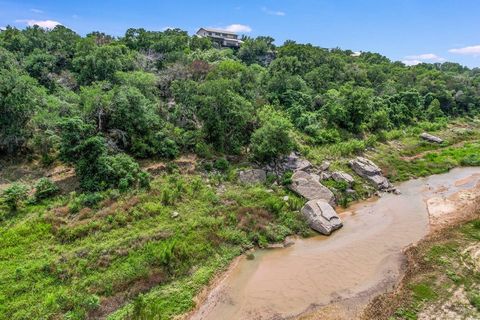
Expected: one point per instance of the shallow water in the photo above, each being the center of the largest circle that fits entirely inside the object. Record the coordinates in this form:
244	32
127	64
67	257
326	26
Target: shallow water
362	259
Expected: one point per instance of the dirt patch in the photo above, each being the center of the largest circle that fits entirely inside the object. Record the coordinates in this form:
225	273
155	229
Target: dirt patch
187	164
29	173
445	211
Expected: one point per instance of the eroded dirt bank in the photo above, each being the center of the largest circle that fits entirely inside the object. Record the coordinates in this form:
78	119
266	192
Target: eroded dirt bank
336	277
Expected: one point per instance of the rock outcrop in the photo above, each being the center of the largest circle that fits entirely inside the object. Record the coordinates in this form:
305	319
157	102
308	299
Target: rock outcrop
343	176
305	185
252	176
370	171
431	138
321	216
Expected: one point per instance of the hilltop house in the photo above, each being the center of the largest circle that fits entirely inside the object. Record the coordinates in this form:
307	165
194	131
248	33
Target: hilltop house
223	37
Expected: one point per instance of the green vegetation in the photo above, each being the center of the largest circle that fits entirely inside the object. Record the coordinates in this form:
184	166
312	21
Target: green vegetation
159	94
130	245
106	247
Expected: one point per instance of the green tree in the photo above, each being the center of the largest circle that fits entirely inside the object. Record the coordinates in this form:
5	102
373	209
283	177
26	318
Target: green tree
274	136
226	115
97	63
434	111
20	98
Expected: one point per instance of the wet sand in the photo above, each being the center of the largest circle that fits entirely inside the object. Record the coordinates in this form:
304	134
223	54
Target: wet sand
336	276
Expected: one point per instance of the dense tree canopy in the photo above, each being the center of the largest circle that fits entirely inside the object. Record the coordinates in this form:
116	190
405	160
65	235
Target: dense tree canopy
67	97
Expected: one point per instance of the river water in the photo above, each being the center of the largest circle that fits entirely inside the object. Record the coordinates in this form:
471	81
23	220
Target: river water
347	269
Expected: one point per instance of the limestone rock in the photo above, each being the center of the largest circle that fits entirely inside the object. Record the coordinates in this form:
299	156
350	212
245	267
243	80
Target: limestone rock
343	176
321	216
431	138
306	186
325	166
370	171
252	176
364	167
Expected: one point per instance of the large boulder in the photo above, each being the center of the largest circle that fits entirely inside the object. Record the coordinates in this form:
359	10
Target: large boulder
364	167
252	176
308	187
321	216
343	176
370	171
430	138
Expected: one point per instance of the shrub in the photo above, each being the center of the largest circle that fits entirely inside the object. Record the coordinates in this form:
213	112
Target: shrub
45	188
287	178
326	136
14	195
90	199
474	299
471	160
221	164
144	179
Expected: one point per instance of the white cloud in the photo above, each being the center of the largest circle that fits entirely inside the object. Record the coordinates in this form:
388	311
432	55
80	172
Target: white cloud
3	28
273	13
426	57
36	10
422	58
356	54
472	50
412	62
47	24
238	28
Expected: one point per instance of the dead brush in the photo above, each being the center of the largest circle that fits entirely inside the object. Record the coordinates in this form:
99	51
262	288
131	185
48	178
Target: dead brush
253	219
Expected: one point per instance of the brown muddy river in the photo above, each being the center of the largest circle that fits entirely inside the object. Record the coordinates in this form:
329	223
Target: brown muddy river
345	270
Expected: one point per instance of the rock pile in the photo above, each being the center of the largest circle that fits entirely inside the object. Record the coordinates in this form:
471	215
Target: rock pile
292	162
318	211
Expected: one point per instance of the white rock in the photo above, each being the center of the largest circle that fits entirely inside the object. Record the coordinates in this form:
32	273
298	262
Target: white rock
321	216
306	186
431	138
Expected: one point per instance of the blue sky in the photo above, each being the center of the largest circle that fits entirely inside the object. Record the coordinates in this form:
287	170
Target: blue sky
407	30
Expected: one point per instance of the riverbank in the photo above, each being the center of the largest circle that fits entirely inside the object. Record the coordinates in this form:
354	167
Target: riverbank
336	277
441	281
440	275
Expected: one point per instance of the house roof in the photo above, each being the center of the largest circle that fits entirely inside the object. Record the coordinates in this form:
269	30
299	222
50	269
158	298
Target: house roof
217	30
